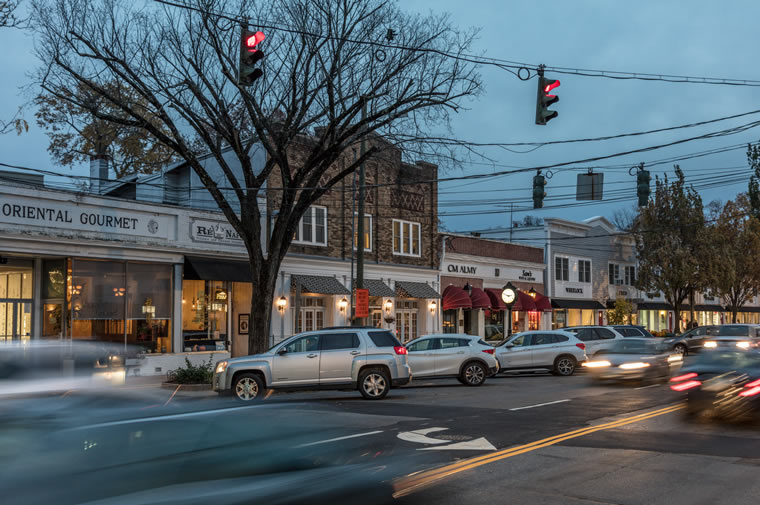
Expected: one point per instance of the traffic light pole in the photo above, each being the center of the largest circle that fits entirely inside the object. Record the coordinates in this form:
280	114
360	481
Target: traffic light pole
360	214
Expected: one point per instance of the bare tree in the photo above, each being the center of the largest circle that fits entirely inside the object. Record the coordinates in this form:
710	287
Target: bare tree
325	61
8	17
625	218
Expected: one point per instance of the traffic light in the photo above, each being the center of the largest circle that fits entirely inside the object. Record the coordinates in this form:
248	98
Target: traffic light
544	100
539	181
642	186
249	56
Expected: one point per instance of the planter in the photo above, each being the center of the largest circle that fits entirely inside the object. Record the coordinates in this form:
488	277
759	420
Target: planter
187	387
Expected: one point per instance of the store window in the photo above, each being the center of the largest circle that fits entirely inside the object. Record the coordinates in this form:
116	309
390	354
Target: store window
97	300
559	319
406	320
561	269
450	321
406	238
584	271
204	315
494	324
312	228
534	319
149	306
16	289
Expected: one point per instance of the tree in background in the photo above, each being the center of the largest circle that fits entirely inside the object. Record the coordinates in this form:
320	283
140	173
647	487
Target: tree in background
9	19
76	133
734	273
753	193
621	313
334	73
670	233
8	16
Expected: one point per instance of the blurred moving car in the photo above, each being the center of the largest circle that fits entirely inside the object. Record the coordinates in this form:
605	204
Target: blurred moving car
632	330
465	357
596	338
119	448
367	359
721	383
692	340
555	350
742	336
634	359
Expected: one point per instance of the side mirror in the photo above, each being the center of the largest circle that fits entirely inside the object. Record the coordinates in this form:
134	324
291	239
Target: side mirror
283	350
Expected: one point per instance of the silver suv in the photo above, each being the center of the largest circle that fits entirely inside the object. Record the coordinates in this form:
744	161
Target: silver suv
558	351
367	359
465	357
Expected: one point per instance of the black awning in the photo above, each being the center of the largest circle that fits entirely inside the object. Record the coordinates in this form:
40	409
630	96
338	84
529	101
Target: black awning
703	308
407	289
377	287
746	309
576	304
216	269
318	284
653	306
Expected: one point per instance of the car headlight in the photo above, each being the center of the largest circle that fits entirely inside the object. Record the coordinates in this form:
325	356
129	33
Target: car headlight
634	366
743	344
711	344
221	366
596	364
675	358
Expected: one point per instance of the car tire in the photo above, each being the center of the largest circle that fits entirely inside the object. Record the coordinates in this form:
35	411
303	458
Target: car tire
473	374
374	383
247	387
681	349
565	365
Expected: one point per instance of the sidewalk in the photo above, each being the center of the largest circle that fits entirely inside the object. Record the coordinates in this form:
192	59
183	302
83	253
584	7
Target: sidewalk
154	383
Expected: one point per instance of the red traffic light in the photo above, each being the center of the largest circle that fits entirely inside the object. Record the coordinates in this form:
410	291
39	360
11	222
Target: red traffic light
253	40
550	86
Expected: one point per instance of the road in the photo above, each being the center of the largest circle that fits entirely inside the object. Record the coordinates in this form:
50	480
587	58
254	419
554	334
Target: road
540	439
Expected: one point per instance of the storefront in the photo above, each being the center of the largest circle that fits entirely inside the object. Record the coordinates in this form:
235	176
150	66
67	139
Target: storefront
570	312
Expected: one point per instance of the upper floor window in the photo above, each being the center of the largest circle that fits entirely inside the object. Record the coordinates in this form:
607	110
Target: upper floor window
630	275
312	229
561	269
406	238
615	274
584	271
367	231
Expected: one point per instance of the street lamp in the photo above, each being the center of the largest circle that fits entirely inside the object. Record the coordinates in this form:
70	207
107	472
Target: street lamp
468	288
532	292
282	302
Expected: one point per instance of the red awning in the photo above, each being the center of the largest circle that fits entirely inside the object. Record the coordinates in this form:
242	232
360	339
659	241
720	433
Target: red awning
494	294
543	304
524	302
456	298
479	299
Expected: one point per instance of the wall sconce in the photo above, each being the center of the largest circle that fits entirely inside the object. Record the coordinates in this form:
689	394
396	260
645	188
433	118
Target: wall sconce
388	306
343	305
532	292
282	302
433	306
468	288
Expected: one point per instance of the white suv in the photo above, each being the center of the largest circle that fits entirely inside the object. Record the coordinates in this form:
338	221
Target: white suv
596	338
465	357
558	351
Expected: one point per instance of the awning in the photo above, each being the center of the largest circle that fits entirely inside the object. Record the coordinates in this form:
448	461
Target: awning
577	304
543	304
494	294
704	308
744	309
319	285
455	298
216	269
406	289
653	306
377	287
524	302
479	299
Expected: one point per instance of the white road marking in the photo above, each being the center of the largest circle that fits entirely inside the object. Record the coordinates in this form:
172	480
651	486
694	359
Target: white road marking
539	405
340	438
479	444
650	386
419	436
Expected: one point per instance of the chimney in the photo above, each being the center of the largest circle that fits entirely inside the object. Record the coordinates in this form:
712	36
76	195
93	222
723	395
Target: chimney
98	172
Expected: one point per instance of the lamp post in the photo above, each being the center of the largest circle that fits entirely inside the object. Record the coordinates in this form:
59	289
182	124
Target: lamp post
509	296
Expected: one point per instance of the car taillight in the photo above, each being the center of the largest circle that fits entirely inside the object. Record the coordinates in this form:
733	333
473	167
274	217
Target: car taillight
488	351
683	386
751	389
581	346
400	349
683	377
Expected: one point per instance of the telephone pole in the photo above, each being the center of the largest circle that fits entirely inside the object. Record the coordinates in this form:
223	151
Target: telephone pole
360	216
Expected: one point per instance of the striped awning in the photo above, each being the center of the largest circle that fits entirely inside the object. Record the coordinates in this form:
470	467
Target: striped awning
456	298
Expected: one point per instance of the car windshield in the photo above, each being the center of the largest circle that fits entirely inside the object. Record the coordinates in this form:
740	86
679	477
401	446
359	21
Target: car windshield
732	331
630	346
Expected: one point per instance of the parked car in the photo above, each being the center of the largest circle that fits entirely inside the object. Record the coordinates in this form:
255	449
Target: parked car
367	359
465	357
632	330
743	336
691	341
721	383
638	359
558	351
596	338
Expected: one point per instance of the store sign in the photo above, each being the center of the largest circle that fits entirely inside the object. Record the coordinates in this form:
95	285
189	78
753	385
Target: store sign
577	291
29	211
362	303
462	269
527	275
203	230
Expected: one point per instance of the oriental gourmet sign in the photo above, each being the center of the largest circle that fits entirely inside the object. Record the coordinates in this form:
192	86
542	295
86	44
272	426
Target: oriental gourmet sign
64	215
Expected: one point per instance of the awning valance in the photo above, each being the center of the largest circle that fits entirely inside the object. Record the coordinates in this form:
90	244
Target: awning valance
317	284
704	308
377	287
524	302
407	289
577	304
479	299
494	294
216	269
653	306
456	298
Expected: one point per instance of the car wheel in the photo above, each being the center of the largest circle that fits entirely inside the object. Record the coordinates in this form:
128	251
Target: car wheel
564	365
681	349
473	374
247	387
374	383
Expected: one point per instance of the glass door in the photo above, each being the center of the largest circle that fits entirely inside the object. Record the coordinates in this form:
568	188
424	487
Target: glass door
16	300
15	320
52	320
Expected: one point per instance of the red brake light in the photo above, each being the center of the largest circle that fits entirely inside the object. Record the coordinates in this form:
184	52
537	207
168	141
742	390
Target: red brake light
581	346
750	392
400	349
683	377
685	385
488	351
753	384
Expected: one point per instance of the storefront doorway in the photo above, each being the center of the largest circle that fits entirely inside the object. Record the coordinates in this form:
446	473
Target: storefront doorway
15	300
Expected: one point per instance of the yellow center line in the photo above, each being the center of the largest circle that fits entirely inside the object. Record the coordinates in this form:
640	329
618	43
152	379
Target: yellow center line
410	484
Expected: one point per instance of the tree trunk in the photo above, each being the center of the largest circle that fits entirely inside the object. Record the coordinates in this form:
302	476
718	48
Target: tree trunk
734	310
262	301
691	308
677	322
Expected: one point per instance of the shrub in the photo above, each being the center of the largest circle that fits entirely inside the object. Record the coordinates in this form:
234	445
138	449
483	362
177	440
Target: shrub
193	374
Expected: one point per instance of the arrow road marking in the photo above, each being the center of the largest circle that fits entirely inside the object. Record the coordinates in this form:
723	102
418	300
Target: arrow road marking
539	405
418	436
479	444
